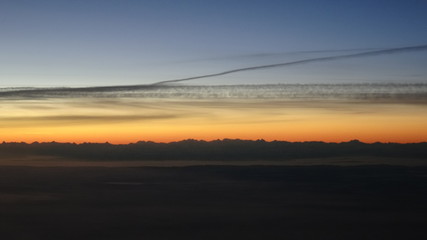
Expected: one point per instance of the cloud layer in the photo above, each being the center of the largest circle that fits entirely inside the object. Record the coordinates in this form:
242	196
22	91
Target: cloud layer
368	92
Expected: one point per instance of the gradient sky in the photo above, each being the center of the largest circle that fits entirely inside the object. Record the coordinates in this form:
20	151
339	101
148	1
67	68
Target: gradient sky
110	42
51	43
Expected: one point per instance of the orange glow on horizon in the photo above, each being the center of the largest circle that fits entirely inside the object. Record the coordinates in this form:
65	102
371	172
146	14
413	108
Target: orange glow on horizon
175	121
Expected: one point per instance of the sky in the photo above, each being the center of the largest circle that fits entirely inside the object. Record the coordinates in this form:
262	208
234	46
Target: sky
362	71
111	42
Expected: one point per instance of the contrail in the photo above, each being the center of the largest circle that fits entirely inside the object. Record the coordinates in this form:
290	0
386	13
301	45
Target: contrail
270	54
40	92
304	61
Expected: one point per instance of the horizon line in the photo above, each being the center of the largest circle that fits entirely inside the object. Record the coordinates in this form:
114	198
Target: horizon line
210	141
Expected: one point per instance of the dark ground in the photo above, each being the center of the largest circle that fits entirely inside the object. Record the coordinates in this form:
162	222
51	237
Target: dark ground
213	202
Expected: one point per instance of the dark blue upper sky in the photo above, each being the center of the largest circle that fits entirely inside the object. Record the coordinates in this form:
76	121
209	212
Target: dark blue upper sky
110	42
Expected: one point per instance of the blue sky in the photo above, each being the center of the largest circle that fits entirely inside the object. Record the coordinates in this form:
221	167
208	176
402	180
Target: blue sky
106	42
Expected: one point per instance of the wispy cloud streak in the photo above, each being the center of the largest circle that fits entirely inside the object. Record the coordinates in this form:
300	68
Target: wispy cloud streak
391	93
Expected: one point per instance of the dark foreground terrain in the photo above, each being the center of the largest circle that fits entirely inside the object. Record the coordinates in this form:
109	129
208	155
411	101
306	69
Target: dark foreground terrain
213	202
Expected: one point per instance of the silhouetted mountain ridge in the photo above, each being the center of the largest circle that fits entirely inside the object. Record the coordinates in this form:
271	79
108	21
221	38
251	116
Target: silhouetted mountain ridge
226	149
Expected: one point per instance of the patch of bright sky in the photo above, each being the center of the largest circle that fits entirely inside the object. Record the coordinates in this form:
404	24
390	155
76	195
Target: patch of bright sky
111	42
